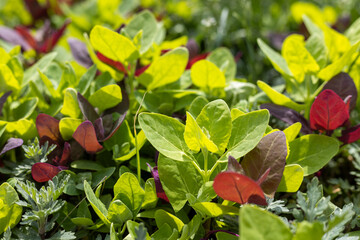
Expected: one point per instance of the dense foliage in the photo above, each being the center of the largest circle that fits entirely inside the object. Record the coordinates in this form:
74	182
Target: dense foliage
146	120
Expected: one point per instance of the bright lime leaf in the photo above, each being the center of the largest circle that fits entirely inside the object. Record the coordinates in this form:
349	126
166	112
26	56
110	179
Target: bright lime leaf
150	198
166	69
215	121
141	139
174	182
292	131
275	58
97	205
86	80
10	212
353	32
146	22
129	191
312	152
224	60
5	57
299	60
256	223
336	43
337	66
207	75
68	126
22	128
31	74
113	45
292	178
247	131
235	113
8	82
195	138
106	97
306	230
166	134
315	44
71	106
197	105
49	86
163	217
210	209
118	212
279	98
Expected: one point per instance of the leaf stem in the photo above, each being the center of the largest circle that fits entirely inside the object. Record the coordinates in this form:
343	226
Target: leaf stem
205	153
136	140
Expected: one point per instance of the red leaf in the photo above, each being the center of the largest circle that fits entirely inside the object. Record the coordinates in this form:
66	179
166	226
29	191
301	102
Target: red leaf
238	188
350	135
43	172
66	155
24	32
117	65
48	126
195	59
85	135
328	111
51	41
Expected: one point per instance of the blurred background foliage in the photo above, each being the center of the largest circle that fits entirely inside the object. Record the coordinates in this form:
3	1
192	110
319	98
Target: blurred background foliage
212	23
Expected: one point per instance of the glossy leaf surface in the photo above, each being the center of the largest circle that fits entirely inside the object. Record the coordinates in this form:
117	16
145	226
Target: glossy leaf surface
85	135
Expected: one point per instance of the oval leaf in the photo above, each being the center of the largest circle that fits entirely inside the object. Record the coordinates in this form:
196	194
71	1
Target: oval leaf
207	75
238	188
48	126
85	135
106	97
43	172
328	111
292	178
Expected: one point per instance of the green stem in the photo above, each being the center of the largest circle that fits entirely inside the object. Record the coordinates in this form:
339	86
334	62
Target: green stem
206	159
213	168
198	168
136	141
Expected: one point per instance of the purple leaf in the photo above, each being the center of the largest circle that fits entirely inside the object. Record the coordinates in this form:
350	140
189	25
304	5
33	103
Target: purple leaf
80	52
343	85
85	135
234	165
3	100
11	36
159	189
328	111
87	109
287	115
11	144
271	153
48	126
350	135
66	155
99	128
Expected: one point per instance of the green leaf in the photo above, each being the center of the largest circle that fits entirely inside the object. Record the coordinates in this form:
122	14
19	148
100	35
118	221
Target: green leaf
150	198
8	82
165	232
10	212
226	236
224	60
86	80
353	32
86	165
312	152
145	22
210	209
207	75
113	45
163	217
49	86
197	105
113	235
278	98
215	121
131	227
246	133
315	44
292	178
275	58
166	134
96	204
299	60
119	213
71	106
67	127
81	221
25	108
306	230
259	224
106	97
22	128
195	138
141	139
32	73
178	179
68	79
337	66
166	69
129	191
292	131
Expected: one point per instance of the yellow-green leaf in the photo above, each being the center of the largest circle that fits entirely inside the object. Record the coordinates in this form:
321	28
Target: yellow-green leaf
297	57
207	75
195	138
71	106
113	45
292	131
106	97
7	79
278	98
162	217
67	127
292	178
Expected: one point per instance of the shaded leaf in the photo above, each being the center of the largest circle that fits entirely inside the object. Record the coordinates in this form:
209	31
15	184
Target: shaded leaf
3	100
43	172
80	52
234	166
85	135
350	135
86	108
271	153
238	188
328	111
48	126
13	37
11	144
